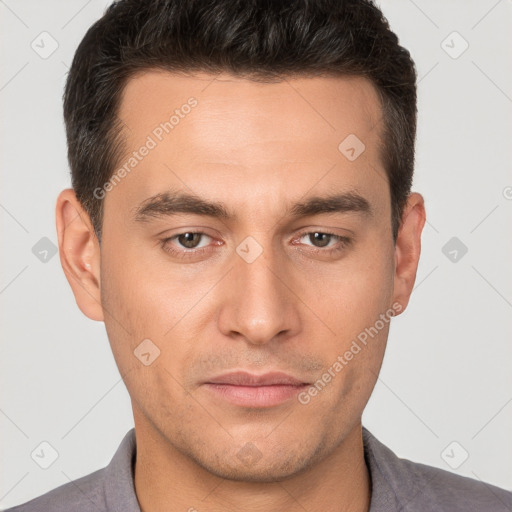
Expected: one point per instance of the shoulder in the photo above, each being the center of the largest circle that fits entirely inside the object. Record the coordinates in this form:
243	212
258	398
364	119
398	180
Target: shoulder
109	488
443	490
81	495
411	486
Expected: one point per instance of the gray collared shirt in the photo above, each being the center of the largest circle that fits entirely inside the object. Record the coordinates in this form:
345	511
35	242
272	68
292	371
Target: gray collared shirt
398	485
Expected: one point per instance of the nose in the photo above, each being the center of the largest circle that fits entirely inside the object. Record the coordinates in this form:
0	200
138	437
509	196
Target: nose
257	302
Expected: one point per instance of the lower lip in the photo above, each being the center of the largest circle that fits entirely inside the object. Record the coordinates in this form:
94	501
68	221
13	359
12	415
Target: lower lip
256	396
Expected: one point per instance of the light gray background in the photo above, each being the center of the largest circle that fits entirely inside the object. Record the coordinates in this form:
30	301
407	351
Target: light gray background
447	371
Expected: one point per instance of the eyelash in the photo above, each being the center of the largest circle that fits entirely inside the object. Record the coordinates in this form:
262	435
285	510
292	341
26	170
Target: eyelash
343	242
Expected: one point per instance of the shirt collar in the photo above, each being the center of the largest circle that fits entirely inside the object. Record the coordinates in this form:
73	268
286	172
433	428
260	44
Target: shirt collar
395	484
119	477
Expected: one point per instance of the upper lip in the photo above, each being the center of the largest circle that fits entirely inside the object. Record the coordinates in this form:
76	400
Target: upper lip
250	379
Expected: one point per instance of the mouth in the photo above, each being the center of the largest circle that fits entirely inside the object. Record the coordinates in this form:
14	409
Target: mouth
256	391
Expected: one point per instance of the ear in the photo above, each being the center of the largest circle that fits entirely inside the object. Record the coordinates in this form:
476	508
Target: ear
79	252
408	248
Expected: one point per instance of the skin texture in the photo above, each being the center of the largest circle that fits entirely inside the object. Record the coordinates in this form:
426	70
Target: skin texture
256	148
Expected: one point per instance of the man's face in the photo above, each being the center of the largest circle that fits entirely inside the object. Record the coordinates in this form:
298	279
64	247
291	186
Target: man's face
255	290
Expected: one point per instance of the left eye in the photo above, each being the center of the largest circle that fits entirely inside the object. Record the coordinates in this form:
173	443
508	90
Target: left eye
320	239
189	240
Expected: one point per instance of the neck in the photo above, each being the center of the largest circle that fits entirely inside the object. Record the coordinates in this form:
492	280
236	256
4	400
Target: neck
166	480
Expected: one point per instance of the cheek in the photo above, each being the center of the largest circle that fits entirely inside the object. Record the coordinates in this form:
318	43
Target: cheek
359	291
358	306
130	303
149	302
142	312
147	297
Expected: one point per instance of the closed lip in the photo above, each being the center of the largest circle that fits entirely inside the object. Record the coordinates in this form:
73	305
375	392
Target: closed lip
250	379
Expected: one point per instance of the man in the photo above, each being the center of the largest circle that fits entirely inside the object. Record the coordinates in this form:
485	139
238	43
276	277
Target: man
241	218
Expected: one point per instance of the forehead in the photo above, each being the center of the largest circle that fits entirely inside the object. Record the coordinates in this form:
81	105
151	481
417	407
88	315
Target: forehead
255	137
335	104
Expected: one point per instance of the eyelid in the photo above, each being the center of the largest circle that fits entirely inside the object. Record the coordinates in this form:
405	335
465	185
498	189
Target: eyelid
190	232
322	231
343	243
166	243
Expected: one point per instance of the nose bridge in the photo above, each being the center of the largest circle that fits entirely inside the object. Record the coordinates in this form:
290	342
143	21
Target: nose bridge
257	305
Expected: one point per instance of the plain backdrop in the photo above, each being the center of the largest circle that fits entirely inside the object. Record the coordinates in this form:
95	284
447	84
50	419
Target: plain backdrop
444	396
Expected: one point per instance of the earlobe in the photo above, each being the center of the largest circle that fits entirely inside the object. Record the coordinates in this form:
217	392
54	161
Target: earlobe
408	248
79	253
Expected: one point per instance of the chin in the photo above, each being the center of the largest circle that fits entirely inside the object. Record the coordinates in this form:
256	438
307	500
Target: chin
250	465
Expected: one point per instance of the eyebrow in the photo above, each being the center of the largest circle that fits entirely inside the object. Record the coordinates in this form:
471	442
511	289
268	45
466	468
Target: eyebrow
167	204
